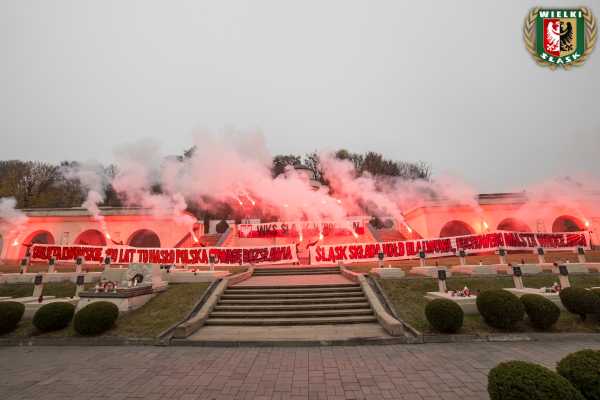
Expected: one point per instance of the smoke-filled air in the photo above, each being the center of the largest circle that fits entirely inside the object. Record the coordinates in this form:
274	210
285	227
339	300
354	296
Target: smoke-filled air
235	171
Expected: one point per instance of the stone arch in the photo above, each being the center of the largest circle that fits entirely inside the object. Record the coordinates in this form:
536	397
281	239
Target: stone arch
39	237
36	237
513	225
456	228
144	238
91	237
568	223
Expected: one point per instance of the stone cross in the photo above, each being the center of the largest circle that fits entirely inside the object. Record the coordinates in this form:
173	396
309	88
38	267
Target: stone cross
563	276
541	255
442	281
502	255
24	265
38	285
462	257
517	277
581	254
79	264
80	281
422	258
52	265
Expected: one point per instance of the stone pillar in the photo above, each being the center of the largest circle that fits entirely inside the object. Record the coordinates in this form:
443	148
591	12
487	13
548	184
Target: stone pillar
517	274
79	262
581	254
563	276
502	255
38	286
442	281
52	265
79	285
541	255
422	258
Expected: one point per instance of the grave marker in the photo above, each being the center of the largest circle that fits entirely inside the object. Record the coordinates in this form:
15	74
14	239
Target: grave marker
52	265
541	255
442	281
38	286
517	277
563	276
581	254
79	264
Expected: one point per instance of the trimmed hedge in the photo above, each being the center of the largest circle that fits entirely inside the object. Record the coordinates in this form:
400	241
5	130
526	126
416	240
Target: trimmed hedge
11	313
500	309
520	380
542	312
582	369
53	316
95	318
580	301
444	315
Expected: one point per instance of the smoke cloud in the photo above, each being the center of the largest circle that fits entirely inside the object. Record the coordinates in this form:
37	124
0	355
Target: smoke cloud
12	220
235	169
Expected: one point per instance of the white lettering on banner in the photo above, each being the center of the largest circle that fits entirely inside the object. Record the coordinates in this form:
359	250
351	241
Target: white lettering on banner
443	247
196	256
283	229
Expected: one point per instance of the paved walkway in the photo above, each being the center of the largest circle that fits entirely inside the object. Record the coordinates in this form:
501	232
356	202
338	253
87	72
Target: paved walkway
307	333
416	372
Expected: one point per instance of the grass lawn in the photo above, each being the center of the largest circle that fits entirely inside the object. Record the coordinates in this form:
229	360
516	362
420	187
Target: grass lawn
148	321
58	289
407	297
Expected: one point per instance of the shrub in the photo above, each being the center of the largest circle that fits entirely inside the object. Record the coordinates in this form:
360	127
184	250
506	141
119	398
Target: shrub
582	369
11	313
516	380
580	301
53	316
444	315
96	318
542	312
500	308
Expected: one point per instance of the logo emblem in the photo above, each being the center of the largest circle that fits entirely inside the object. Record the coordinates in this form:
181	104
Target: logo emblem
560	37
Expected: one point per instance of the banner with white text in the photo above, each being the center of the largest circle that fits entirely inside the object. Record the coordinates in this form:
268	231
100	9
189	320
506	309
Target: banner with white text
195	256
286	229
443	247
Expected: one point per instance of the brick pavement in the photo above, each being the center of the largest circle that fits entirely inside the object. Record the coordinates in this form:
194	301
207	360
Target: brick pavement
415	372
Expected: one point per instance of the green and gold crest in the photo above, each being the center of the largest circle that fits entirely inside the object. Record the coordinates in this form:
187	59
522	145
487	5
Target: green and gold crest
560	37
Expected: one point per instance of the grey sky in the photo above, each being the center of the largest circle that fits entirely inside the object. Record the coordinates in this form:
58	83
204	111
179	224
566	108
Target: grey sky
449	83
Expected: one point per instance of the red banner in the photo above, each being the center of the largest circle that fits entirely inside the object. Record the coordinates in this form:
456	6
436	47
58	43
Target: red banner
196	256
285	229
443	247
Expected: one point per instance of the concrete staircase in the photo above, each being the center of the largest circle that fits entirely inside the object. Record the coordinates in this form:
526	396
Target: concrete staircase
296	271
292	305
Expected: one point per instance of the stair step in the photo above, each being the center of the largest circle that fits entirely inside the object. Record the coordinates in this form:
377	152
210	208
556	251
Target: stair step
227	296
318	300
291	307
341	285
296	269
292	321
294	290
290	314
295	273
